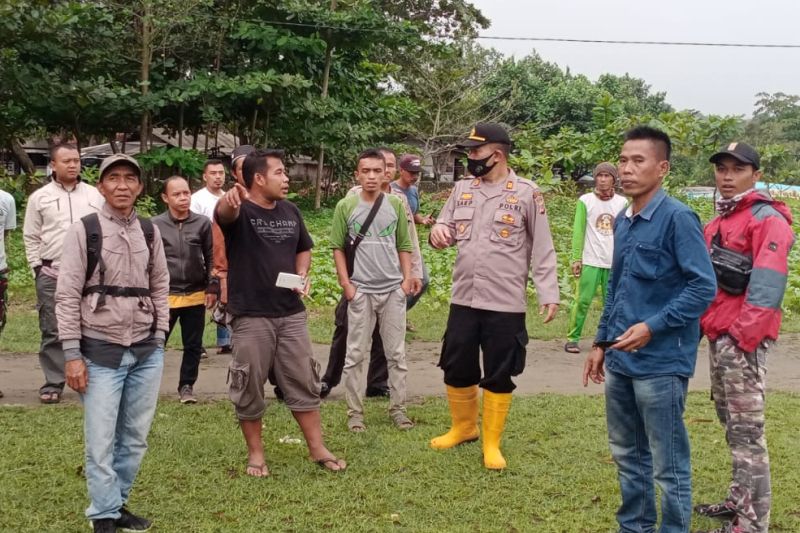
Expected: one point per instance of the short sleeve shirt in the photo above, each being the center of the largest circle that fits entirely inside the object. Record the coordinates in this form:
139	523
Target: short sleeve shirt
376	268
598	249
8	221
260	244
412	195
204	203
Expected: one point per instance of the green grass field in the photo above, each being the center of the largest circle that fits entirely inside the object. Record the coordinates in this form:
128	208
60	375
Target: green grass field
560	476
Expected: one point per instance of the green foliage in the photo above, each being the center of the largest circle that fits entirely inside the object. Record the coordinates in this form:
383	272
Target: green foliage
16	186
90	175
257	72
168	160
775	131
571	153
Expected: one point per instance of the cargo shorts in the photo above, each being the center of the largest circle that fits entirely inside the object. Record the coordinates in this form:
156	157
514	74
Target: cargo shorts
281	344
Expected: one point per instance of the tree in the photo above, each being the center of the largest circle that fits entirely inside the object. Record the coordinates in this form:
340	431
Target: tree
448	84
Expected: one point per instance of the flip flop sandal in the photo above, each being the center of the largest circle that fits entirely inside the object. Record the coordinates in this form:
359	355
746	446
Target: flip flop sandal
50	397
260	468
572	347
323	463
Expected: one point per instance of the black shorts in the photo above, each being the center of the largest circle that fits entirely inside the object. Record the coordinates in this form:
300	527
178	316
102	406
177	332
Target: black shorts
500	336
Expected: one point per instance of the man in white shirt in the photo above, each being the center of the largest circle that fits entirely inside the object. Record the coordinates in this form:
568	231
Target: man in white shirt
203	203
51	210
8	222
593	246
205	200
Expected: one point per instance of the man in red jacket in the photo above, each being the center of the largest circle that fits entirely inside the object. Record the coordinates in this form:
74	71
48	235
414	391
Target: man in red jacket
741	324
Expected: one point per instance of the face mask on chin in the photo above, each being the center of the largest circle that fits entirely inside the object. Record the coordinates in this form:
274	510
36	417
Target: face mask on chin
480	167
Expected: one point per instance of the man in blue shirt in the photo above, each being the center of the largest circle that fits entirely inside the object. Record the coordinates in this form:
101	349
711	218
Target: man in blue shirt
661	283
410	167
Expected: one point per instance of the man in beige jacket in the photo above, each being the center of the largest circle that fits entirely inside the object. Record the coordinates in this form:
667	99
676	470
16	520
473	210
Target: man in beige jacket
49	213
112	311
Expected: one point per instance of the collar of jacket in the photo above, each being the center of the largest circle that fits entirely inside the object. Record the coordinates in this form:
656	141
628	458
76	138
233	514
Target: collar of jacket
59	184
115	216
179	220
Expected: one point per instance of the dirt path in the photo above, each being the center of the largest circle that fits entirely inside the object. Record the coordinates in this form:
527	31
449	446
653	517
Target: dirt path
549	369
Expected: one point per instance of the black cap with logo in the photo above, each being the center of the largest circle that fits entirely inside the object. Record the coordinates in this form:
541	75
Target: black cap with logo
740	151
485	133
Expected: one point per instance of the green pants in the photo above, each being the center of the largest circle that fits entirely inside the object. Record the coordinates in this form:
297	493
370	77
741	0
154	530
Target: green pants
590	278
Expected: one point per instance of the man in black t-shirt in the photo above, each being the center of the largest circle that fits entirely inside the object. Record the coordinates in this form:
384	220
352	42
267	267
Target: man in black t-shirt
264	236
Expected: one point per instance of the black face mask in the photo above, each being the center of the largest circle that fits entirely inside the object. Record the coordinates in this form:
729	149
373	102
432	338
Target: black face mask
479	167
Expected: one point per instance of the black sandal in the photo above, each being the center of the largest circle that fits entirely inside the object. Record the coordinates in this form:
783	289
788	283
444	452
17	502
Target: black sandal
323	463
572	347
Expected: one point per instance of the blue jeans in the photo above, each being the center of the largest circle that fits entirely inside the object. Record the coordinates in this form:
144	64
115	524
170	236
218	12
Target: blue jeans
649	442
223	336
118	405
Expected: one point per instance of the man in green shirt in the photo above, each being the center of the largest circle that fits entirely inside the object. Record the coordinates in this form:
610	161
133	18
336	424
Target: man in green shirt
375	287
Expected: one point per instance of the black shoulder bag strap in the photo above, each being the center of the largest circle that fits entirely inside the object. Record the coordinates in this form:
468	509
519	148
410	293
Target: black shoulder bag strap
351	248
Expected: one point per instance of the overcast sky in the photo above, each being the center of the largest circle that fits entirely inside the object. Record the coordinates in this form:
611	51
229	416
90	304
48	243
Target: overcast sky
709	79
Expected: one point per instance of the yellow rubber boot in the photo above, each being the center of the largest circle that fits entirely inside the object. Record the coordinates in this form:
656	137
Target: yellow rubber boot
464	412
495	409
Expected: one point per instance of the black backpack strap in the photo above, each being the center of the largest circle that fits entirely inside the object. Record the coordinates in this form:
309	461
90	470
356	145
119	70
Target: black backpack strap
149	238
94	243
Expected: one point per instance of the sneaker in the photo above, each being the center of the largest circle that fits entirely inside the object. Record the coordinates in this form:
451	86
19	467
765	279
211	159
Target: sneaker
225	349
187	394
104	525
128	521
324	389
203	354
725	510
410	327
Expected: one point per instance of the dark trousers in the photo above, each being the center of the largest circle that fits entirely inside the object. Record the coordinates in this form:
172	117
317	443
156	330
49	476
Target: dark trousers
193	321
51	357
377	375
500	336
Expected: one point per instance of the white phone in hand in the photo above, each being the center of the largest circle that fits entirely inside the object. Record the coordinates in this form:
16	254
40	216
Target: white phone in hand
290	281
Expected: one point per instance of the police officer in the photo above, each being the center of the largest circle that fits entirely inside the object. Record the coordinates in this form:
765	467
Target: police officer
499	223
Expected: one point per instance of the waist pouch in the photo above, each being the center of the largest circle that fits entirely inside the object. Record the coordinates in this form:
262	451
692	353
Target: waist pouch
732	269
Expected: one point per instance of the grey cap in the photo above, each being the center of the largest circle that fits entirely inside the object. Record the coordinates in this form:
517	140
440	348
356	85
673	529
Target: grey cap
242	151
118	159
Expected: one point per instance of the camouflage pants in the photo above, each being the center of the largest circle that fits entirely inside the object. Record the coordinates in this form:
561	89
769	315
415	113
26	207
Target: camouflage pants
737	386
